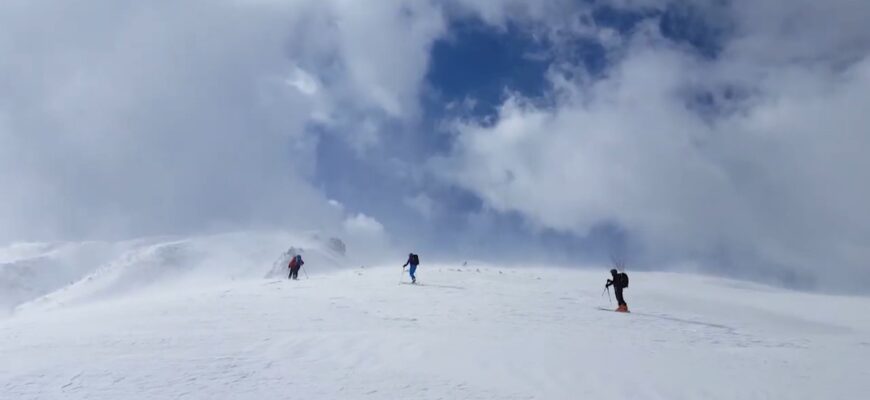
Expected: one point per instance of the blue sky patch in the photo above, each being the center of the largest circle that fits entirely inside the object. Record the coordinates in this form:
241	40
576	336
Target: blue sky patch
482	63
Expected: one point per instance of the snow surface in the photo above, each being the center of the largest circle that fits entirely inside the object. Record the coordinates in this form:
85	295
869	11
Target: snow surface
210	318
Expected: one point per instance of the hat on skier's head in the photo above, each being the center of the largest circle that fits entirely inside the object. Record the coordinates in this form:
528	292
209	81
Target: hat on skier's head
613	272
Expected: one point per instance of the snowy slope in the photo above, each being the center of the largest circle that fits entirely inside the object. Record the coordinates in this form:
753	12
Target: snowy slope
31	270
466	333
45	275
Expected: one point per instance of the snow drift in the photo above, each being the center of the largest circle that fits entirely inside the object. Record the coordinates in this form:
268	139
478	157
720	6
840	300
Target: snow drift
31	270
45	275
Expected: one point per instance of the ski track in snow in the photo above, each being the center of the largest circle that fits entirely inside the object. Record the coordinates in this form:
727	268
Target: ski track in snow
462	334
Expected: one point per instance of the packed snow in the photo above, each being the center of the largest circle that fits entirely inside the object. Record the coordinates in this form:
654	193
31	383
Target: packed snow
216	318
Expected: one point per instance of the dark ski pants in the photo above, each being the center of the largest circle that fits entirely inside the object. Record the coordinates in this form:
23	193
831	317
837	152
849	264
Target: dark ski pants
619	299
294	273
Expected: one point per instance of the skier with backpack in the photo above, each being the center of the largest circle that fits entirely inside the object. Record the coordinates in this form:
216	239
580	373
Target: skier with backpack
295	264
413	261
619	282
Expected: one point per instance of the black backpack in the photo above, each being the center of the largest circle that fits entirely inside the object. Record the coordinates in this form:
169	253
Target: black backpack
622	279
415	259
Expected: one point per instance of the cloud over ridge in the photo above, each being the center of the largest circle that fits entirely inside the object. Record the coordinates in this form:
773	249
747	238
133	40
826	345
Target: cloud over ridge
727	134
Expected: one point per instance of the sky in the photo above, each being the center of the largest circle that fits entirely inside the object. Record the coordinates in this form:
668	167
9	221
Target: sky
722	136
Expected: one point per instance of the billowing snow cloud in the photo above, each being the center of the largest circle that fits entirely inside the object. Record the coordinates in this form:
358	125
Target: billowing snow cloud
131	118
727	134
751	160
362	224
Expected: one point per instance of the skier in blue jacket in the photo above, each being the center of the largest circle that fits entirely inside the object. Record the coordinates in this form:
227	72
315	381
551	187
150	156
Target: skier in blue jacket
413	261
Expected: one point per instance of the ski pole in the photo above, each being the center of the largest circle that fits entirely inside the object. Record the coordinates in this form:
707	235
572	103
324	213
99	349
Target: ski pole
607	288
304	272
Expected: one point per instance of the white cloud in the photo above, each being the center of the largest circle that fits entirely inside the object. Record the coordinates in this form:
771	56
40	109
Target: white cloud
770	179
303	81
363	225
337	204
128	118
422	204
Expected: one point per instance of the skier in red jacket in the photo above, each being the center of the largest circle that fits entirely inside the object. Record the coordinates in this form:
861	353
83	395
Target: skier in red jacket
295	264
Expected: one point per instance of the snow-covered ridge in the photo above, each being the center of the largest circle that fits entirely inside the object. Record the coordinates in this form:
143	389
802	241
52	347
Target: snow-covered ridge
31	270
470	332
45	275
